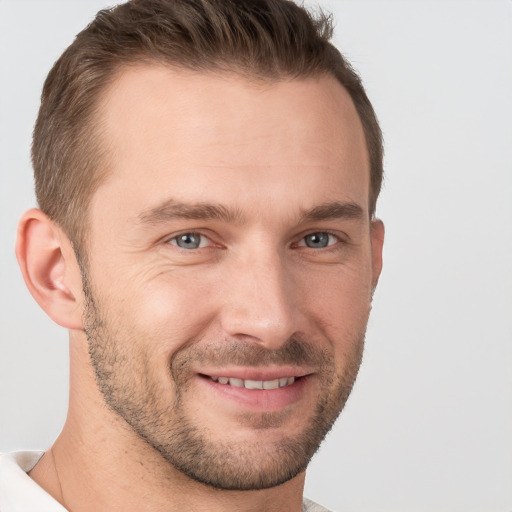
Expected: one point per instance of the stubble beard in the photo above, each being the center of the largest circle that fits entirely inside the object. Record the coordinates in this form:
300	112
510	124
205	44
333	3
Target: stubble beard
130	389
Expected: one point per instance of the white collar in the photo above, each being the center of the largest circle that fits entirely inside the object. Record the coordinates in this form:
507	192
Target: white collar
18	492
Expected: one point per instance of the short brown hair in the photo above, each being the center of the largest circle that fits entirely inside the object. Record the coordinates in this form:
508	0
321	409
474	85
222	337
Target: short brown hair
263	39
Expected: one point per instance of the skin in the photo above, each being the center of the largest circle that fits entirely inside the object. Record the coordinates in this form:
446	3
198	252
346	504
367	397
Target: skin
268	153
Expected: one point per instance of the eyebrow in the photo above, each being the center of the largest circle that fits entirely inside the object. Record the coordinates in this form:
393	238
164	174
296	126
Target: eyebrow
334	210
172	209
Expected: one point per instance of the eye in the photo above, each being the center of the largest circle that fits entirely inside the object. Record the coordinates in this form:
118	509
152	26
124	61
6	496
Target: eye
190	241
318	240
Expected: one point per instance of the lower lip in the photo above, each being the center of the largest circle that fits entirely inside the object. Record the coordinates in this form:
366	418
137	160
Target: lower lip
259	399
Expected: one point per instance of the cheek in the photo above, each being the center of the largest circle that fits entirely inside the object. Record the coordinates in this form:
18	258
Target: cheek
341	293
170	309
339	304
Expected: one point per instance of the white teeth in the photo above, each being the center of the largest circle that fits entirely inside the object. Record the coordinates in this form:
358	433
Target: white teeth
255	384
271	384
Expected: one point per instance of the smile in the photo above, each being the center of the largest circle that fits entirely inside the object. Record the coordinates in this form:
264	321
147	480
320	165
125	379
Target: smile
257	389
255	384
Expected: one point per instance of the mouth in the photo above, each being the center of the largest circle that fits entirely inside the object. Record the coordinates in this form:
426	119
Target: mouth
277	383
259	390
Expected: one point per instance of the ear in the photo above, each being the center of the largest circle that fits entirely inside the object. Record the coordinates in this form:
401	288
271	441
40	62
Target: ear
377	239
50	269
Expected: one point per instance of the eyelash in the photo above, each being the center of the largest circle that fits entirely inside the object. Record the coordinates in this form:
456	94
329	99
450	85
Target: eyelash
302	243
190	234
330	235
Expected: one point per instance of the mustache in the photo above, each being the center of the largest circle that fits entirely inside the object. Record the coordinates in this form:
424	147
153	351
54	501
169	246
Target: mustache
294	352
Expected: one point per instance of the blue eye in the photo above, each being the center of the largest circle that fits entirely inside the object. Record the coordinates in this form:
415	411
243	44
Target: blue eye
318	240
189	241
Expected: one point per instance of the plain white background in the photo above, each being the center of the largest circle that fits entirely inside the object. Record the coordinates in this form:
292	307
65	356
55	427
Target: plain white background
429	424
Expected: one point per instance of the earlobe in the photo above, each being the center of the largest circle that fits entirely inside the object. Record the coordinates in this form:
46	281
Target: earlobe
377	238
49	268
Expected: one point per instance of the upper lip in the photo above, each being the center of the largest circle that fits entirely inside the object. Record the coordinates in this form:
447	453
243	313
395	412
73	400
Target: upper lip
256	373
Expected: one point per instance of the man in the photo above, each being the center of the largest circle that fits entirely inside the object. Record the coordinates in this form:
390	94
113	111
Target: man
207	174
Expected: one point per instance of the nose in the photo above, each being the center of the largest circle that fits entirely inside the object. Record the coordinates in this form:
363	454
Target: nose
261	302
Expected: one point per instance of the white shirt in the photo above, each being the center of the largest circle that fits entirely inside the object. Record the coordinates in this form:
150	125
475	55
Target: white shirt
19	493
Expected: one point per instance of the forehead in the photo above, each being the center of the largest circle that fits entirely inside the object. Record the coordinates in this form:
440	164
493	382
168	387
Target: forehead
181	133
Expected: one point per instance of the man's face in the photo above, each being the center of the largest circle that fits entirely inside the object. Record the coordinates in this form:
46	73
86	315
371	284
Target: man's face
229	249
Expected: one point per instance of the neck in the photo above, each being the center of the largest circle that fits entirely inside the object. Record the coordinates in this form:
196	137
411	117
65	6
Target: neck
99	463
